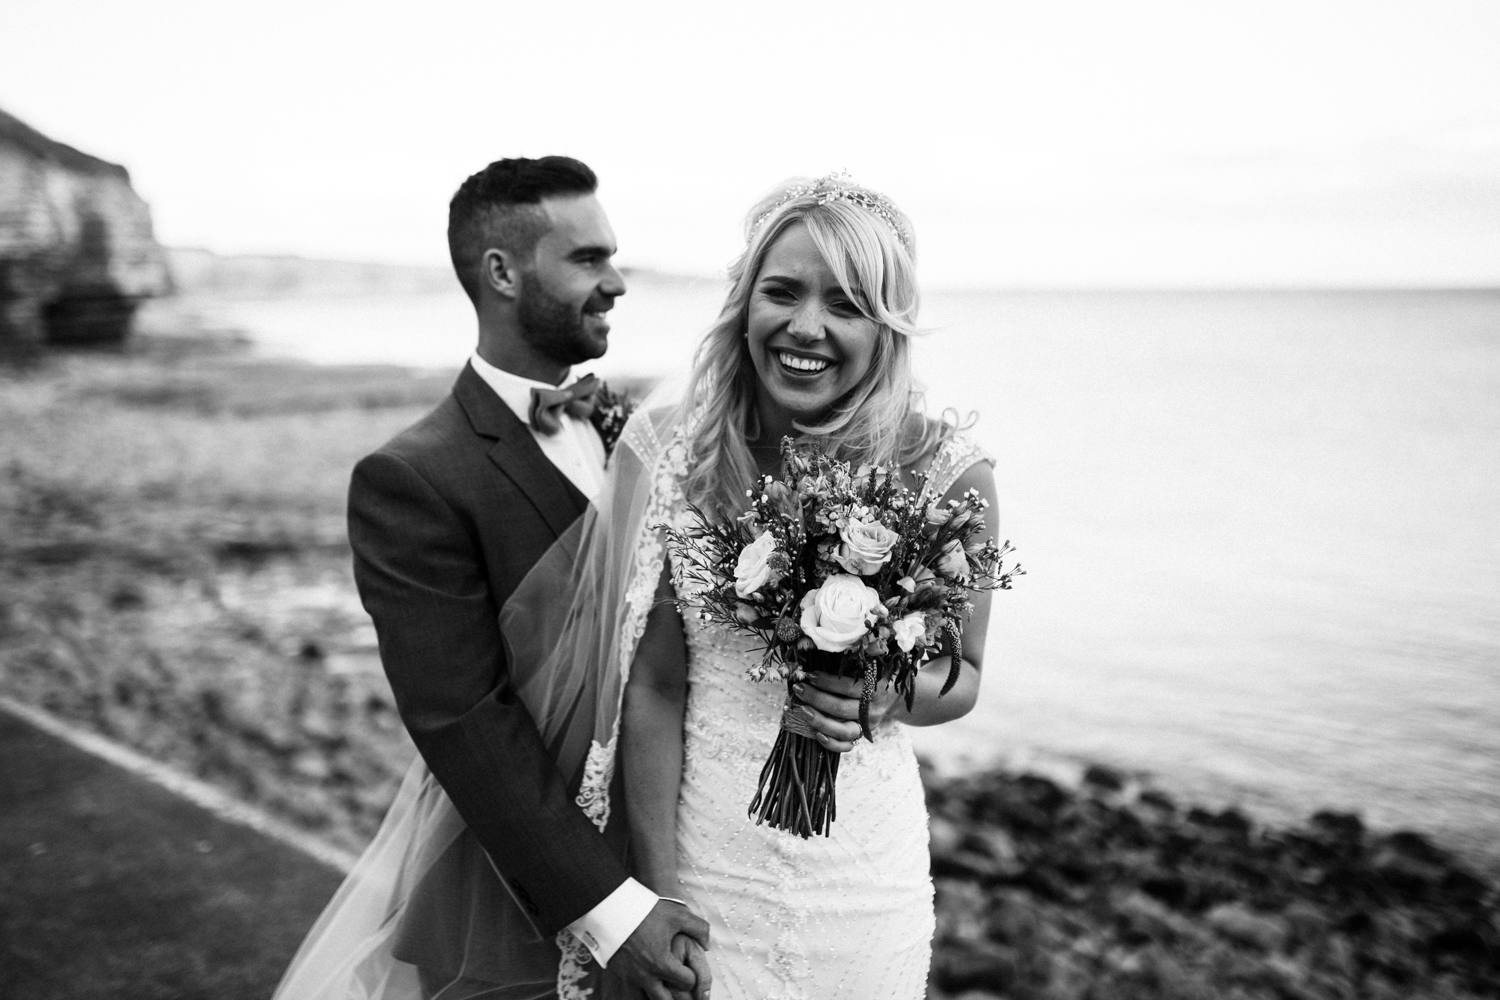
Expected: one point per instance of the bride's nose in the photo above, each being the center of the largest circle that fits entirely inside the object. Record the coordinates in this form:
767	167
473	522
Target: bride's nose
806	322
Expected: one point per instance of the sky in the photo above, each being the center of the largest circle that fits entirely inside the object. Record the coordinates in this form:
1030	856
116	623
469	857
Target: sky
1060	144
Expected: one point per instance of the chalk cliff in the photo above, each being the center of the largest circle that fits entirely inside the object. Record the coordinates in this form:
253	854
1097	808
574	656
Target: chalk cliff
77	254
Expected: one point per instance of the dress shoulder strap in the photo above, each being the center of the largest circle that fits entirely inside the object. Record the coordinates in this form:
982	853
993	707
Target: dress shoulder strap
955	456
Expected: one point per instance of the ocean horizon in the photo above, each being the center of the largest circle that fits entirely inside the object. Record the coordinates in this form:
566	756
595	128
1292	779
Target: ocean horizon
1261	528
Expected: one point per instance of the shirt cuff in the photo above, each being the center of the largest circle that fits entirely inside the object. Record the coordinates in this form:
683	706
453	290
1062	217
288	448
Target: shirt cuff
604	928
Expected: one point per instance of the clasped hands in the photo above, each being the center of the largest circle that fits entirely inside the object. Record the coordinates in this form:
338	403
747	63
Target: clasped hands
831	706
665	957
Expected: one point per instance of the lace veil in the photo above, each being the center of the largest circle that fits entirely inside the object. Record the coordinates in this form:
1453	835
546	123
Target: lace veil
571	630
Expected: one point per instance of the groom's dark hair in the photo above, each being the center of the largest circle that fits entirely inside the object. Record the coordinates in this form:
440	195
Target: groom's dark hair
499	208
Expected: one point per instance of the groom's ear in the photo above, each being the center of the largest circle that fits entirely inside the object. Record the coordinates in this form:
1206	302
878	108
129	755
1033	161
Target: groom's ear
500	270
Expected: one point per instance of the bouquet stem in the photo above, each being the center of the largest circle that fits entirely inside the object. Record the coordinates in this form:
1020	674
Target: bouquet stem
796	785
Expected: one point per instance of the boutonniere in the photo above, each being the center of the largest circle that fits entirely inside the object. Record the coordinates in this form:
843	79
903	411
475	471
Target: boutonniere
611	410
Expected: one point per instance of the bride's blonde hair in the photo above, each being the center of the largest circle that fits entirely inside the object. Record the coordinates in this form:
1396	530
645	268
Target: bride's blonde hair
868	246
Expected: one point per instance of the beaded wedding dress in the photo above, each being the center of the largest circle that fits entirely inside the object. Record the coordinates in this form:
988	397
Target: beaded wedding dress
844	916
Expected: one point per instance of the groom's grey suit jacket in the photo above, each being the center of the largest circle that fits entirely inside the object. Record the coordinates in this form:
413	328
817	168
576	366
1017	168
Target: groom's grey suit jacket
445	520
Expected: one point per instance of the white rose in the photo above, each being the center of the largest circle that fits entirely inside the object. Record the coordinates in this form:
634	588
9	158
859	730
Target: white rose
866	547
839	613
907	630
752	571
952	562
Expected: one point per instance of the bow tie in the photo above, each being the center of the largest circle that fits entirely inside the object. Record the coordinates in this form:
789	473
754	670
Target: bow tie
548	405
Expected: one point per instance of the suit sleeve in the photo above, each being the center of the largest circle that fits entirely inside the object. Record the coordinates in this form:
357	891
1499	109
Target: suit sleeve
422	579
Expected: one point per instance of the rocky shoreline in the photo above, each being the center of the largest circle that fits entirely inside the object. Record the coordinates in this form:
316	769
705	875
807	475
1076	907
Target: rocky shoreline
174	575
1111	890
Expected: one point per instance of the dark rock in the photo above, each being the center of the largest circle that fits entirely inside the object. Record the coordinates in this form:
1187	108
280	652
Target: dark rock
992	842
1339	827
1076	864
960	908
126	598
1046	883
1142	918
1106	778
1021	815
1041	792
1169	888
976	965
1233	821
1305	921
1356	922
1407	874
1416	846
1461	885
1128	829
77	254
1158	800
965	864
1458	940
1013	918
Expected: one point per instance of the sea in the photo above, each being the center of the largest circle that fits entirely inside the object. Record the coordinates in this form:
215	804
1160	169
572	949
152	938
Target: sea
1260	529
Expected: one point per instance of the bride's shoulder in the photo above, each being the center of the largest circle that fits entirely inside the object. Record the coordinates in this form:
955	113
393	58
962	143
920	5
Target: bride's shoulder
946	452
930	442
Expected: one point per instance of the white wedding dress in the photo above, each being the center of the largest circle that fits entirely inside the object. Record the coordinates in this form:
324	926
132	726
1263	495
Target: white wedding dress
844	916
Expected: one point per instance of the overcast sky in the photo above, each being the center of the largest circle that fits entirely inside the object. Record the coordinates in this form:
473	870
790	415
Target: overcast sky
1108	143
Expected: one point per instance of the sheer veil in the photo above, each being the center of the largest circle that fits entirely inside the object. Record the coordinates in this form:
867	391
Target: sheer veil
571	631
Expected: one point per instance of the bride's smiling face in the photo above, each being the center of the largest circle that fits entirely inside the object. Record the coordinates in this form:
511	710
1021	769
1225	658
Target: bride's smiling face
808	342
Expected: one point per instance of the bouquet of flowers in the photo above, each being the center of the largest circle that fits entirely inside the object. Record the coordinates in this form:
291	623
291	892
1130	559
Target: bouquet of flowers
844	571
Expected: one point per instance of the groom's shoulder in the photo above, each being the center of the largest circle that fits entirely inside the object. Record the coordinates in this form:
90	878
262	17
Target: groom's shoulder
437	442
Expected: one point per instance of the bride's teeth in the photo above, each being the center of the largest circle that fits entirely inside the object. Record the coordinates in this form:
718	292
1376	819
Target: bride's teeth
802	364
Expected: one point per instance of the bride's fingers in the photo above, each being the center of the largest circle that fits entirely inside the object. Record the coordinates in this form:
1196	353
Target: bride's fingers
830	703
847	691
844	687
835	734
698	962
837	746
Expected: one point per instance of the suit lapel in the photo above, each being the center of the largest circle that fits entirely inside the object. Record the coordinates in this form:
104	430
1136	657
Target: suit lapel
516	453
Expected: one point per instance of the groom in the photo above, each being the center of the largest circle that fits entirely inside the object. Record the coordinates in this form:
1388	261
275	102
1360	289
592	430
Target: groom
445	520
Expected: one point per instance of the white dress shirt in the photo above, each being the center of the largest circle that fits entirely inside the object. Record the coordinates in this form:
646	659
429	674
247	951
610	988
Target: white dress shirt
578	454
575	449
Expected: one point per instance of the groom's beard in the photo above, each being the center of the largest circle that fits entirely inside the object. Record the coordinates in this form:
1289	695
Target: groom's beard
555	328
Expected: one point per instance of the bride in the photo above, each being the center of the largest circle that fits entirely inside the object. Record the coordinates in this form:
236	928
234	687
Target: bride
813	342
652	713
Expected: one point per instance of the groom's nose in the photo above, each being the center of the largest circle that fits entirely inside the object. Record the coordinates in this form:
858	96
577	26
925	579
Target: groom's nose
613	282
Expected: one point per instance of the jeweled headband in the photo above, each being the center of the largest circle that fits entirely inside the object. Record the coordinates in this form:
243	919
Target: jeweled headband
840	187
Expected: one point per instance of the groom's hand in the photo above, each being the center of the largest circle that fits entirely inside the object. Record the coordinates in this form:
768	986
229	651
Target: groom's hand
834	707
647	961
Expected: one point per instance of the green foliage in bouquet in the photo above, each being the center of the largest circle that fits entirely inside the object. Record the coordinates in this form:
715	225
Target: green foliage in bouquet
844	571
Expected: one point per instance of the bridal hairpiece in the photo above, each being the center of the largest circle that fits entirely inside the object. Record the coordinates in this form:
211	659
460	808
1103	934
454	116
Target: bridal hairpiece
839	186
